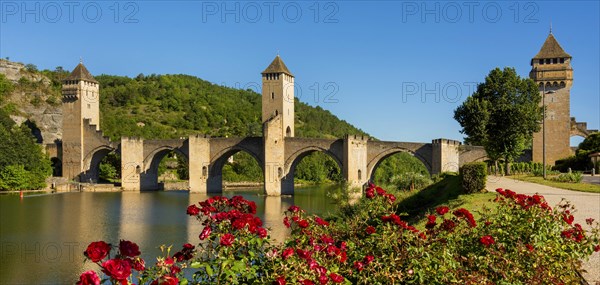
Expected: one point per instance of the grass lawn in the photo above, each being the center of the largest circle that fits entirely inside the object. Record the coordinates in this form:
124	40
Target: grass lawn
448	192
583	187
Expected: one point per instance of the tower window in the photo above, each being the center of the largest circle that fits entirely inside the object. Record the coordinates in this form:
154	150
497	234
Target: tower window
547	61
272	95
89	106
541	61
555	60
562	60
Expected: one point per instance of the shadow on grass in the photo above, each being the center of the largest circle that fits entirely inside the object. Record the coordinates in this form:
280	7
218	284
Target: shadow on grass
440	193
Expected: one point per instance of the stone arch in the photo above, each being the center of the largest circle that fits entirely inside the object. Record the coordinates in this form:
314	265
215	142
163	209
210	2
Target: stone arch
215	169
296	157
149	175
152	160
293	160
91	163
288	132
374	163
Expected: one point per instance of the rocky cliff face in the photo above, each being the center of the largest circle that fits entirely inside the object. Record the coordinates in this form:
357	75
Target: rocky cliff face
33	100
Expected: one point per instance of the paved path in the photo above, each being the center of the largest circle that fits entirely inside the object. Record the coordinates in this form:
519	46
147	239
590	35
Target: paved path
591	179
587	206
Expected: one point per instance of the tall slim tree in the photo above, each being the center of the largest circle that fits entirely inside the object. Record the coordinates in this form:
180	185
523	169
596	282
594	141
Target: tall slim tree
501	115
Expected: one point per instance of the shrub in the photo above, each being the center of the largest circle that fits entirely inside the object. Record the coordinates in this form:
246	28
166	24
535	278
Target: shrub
521	241
417	180
473	176
573	177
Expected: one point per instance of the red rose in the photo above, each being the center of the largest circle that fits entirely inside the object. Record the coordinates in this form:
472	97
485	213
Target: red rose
307	282
368	259
568	218
448	225
370	193
286	222
370	230
97	251
169	261
442	210
380	191
205	233
305	254
138	264
279	281
303	223
336	278
262	233
391	197
128	248
464	213
118	269
323	279
193	210
89	278
487	240
321	222
430	222
589	221
597	248
294	209
359	265
227	239
287	252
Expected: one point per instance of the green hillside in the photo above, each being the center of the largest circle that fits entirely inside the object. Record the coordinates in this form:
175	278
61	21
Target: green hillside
170	106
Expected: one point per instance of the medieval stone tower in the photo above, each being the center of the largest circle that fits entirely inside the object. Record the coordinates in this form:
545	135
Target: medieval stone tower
278	123
278	95
81	109
551	70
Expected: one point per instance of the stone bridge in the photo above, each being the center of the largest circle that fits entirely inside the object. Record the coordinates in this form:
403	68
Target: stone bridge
277	152
356	156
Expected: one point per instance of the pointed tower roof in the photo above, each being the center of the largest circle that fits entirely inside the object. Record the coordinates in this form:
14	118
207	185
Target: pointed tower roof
277	66
81	73
551	49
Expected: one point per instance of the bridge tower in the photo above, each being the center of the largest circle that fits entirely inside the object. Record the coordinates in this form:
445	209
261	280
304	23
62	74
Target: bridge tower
551	70
278	123
81	109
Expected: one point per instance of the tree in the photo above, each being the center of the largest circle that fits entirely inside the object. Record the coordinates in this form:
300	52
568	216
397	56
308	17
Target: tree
501	115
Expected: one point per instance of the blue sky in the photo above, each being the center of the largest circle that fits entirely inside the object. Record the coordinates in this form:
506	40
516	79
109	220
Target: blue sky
396	69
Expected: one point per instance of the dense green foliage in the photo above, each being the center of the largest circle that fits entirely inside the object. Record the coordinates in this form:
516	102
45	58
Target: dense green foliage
581	160
501	115
534	168
411	181
473	177
23	165
393	169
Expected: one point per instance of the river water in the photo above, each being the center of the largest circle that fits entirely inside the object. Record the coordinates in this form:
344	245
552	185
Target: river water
42	237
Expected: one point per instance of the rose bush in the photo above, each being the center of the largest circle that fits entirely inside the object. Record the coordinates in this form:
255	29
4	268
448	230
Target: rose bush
521	240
